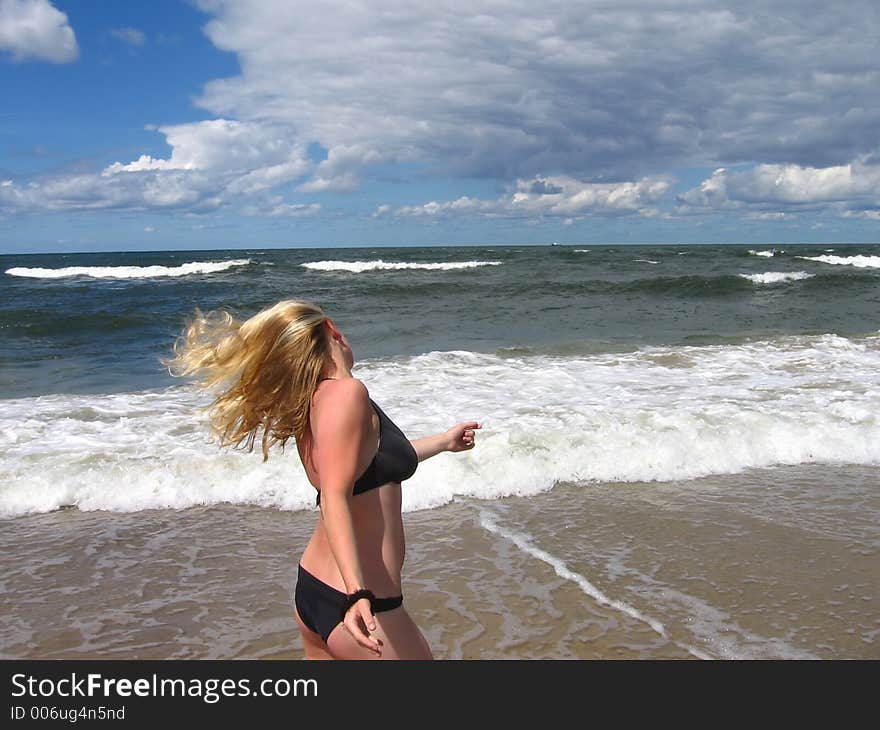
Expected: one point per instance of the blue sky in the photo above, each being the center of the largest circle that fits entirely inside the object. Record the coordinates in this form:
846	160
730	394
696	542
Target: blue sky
258	123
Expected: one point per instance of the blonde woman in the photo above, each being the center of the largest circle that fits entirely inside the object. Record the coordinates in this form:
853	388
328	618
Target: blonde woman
286	372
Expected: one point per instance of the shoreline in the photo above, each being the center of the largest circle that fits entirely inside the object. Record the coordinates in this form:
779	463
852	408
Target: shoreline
580	572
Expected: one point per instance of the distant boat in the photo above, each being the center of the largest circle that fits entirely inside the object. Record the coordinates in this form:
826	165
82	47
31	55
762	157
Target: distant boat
554	243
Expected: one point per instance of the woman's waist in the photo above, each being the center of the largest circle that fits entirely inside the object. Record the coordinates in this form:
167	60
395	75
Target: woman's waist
381	577
380	555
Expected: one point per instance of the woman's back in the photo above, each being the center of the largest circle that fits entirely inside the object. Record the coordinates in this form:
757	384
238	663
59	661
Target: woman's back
376	513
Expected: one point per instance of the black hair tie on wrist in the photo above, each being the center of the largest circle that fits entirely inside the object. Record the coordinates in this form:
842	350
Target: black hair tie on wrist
353	598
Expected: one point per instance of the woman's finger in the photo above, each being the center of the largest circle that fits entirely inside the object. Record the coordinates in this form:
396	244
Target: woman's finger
367	615
356	620
360	637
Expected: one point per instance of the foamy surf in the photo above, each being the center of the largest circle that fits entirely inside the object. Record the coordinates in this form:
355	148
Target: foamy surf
861	262
777	277
489	521
715	628
379	265
562	570
128	272
654	414
767	253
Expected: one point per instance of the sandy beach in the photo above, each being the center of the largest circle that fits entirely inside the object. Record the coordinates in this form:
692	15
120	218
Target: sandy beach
611	571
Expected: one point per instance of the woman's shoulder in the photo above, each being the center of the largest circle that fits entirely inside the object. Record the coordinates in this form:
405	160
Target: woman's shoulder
346	392
343	407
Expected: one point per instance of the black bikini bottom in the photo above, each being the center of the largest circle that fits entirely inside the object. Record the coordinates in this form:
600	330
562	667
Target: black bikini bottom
319	605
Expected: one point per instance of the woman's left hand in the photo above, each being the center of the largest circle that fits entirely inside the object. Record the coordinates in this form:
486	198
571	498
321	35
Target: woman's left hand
461	436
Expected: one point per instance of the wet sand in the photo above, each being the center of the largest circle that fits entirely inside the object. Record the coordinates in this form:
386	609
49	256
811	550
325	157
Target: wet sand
768	564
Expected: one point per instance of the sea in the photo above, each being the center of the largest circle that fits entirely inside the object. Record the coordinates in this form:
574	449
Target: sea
677	456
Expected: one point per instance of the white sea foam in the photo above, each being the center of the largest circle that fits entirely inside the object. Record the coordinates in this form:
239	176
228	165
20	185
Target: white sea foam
861	262
767	253
646	261
776	277
563	571
661	413
718	631
129	272
378	264
582	250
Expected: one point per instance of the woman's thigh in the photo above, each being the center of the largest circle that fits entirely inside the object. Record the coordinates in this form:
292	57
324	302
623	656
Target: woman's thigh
400	637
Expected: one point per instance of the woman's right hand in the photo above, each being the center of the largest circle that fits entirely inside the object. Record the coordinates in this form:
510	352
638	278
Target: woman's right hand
360	622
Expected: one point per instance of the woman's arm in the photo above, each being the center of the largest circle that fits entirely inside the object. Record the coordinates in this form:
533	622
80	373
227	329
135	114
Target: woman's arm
458	438
340	427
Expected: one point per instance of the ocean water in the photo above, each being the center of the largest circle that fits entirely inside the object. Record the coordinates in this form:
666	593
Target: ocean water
678	454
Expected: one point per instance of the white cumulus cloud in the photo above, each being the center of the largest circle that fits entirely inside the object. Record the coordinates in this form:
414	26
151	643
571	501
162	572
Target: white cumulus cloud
36	29
275	207
212	163
551	196
339	171
787	188
596	91
578	108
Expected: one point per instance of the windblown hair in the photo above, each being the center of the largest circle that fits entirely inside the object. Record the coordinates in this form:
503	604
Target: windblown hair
268	367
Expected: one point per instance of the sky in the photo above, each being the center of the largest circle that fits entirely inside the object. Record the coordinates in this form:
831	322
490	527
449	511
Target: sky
205	124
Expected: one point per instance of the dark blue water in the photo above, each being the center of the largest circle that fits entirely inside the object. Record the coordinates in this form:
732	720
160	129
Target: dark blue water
82	334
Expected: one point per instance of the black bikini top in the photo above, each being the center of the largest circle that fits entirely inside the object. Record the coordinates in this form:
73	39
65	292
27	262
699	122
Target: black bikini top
394	461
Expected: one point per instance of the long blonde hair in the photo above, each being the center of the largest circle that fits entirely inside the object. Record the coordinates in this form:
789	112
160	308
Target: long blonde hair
269	366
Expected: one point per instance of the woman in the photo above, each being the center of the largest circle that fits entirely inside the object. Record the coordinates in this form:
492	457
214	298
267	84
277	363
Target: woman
287	372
